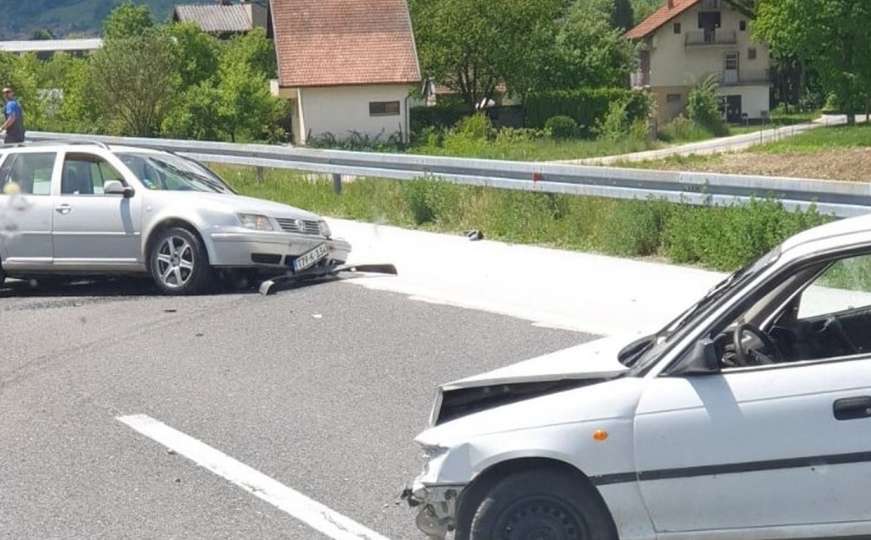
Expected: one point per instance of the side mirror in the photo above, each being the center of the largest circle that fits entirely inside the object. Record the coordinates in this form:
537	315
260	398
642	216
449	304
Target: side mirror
114	187
701	359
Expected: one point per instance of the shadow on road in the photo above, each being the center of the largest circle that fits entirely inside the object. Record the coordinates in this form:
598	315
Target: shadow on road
130	287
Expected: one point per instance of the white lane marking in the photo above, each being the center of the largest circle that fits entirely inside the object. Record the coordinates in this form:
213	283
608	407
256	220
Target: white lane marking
310	512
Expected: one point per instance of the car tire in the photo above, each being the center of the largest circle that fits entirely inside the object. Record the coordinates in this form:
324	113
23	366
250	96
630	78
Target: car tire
542	503
179	263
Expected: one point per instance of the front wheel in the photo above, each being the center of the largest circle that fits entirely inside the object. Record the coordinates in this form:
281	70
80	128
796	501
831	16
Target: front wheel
179	263
539	504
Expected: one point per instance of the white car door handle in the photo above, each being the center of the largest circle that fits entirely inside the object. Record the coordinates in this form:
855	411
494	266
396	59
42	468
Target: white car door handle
63	209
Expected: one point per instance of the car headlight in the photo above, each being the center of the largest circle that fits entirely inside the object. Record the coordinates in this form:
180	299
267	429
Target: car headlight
256	222
324	229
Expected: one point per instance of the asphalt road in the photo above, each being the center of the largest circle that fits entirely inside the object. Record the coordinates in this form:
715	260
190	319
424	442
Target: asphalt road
321	388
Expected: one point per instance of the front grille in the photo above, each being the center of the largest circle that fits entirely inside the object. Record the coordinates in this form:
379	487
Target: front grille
301	226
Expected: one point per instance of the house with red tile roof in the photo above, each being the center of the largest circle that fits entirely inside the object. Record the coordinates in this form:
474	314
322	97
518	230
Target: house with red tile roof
685	41
345	66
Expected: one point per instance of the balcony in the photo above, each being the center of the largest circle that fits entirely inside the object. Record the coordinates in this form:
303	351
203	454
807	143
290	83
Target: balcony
743	77
640	79
701	38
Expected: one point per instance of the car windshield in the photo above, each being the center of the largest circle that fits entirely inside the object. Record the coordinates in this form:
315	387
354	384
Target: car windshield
643	353
168	172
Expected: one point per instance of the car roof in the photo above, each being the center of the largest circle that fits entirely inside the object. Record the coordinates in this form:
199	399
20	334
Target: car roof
78	145
831	230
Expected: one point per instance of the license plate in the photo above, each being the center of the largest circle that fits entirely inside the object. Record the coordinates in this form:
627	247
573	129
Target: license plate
310	258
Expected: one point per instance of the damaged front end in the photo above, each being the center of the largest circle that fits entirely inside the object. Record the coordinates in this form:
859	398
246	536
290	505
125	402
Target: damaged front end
437	508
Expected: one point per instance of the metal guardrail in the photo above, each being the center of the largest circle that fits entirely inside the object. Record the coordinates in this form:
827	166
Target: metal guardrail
842	199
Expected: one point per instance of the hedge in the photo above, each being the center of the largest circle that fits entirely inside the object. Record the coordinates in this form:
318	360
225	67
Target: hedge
440	116
585	106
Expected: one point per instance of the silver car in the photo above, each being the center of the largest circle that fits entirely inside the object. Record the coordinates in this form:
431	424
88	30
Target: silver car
91	209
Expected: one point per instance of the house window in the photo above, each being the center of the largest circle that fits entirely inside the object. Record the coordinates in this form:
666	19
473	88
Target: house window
742	26
677	28
751	53
673	98
731	61
383	108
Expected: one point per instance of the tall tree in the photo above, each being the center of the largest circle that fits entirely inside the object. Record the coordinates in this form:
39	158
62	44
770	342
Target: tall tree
472	46
828	36
127	21
622	15
586	51
133	82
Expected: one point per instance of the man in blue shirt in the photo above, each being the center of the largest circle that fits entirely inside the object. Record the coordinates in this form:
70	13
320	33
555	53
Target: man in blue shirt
14	124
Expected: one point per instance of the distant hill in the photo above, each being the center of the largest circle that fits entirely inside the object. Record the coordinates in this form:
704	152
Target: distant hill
19	19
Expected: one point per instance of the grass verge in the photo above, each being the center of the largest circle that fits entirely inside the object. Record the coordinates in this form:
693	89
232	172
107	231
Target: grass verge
722	238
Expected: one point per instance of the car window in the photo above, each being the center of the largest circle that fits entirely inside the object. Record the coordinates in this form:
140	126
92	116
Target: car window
168	172
86	174
845	286
30	173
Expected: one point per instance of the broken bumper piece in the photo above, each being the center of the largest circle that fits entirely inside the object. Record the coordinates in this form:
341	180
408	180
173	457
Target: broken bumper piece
438	508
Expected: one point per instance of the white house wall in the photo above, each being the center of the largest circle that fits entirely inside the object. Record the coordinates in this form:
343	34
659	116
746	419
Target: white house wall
342	109
755	100
673	63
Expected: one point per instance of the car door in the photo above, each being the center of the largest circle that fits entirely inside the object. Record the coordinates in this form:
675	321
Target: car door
779	451
92	229
27	209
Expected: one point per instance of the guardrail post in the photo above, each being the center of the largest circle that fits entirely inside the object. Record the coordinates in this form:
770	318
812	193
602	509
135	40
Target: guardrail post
259	172
337	184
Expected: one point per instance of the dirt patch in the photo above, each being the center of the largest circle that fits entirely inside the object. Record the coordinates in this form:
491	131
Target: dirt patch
852	164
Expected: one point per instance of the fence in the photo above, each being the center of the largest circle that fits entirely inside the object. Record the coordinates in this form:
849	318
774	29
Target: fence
842	199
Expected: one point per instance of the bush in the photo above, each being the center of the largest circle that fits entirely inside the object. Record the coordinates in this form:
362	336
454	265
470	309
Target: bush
562	127
431	201
358	142
587	107
684	129
440	116
703	107
726	238
477	126
616	124
635	228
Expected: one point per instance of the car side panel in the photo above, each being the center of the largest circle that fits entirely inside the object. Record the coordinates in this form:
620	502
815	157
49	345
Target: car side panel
754	449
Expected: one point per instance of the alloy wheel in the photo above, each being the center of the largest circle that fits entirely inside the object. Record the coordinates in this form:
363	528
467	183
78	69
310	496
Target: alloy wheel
175	262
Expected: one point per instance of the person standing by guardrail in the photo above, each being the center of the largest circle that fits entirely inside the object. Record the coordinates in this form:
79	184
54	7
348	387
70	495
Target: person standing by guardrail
14	124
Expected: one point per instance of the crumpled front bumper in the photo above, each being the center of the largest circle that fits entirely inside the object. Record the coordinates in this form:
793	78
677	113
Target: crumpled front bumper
270	249
438	507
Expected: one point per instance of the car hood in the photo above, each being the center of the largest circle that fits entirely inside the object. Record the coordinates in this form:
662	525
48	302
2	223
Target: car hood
248	205
567	369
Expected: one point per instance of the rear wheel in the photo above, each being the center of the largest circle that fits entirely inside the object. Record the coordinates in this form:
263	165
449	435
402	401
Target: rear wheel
179	263
544	504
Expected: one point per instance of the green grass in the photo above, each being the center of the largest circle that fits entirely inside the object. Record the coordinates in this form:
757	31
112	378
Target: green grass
825	138
718	237
544	149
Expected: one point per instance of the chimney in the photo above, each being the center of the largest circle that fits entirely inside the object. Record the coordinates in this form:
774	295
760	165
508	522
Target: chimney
670	4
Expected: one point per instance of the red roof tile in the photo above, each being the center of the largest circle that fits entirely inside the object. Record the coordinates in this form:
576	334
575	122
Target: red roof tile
344	42
659	18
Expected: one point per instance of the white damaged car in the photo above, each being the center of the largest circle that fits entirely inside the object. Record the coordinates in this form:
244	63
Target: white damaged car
747	417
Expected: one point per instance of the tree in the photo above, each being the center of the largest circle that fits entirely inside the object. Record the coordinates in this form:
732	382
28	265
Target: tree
42	34
235	103
133	83
745	7
586	52
829	37
622	15
472	46
127	21
195	51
